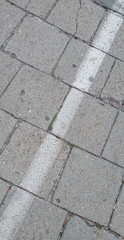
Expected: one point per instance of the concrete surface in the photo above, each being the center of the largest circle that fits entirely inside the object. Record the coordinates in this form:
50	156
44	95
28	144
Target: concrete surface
28	97
98	182
43	45
117	223
76	228
114	149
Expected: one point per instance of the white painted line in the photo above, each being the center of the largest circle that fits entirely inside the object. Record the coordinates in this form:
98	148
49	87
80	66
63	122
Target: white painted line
67	112
107	32
88	69
94	58
21	201
14	214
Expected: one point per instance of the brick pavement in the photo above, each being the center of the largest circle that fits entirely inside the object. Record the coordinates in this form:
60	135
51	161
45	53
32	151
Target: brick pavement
42	44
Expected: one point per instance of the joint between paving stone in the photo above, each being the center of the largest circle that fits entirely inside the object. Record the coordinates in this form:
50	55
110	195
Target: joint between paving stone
12	33
9	137
116	201
21	8
98	26
2	202
57	180
109	9
10	82
76	19
66	220
21	119
107	78
54	68
109	132
51	9
54	118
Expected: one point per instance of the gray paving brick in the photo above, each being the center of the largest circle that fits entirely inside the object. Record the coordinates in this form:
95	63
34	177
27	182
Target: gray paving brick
71	61
43	220
21	151
6	126
65	13
34	96
37	43
40	7
3	190
47	222
21	3
114	149
91	125
77	229
117	48
117	223
114	88
8	68
89	186
9	18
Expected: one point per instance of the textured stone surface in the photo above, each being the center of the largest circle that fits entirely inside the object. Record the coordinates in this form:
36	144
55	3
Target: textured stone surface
114	149
91	125
20	152
3	190
37	43
30	98
21	3
42	221
111	4
117	223
8	68
115	85
40	7
47	222
71	61
76	229
6	126
117	48
89	186
9	18
73	18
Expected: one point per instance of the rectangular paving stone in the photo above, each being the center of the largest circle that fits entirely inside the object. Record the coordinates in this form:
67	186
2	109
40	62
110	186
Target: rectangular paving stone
8	68
117	223
9	18
70	61
114	149
89	186
42	221
6	126
21	3
74	19
40	7
3	190
91	125
38	44
114	88
77	229
117	48
34	96
20	152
